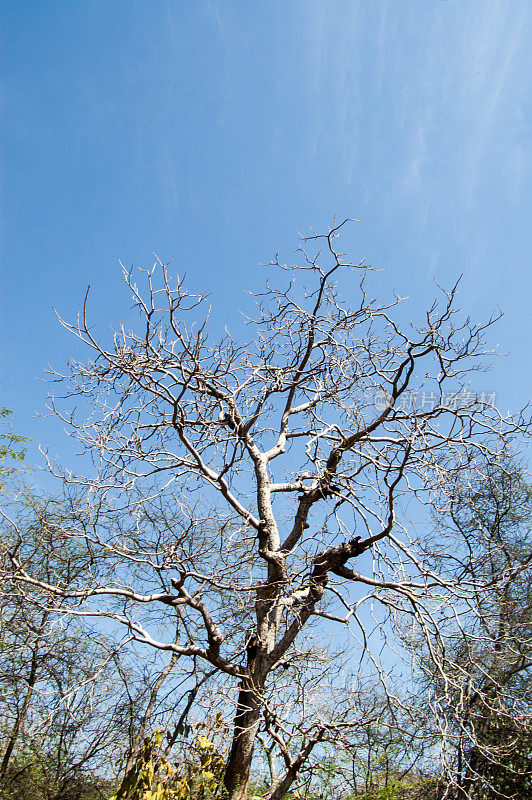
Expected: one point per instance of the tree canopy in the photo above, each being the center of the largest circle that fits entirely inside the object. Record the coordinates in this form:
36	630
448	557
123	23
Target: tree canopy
247	495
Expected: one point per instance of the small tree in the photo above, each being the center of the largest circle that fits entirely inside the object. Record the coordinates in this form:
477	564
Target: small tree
57	698
72	702
245	491
489	657
10	449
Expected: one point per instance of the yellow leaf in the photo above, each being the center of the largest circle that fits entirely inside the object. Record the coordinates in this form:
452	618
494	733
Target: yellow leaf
204	744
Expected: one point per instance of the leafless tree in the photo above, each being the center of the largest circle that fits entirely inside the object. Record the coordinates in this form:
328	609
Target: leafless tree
480	686
244	490
70	699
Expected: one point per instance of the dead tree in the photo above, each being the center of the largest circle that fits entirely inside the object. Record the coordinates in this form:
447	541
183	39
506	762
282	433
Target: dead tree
250	487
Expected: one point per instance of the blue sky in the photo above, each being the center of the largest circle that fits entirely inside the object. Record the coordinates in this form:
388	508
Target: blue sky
211	132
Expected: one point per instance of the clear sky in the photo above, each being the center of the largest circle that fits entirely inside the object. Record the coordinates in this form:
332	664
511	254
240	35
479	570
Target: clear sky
211	131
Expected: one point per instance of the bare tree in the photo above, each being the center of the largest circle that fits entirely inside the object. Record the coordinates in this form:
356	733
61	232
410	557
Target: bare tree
71	701
236	483
487	675
58	701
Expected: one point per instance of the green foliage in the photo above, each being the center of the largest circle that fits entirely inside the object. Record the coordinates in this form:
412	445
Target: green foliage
33	776
8	449
399	789
422	789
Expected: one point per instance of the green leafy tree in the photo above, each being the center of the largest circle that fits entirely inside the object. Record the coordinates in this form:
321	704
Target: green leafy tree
10	447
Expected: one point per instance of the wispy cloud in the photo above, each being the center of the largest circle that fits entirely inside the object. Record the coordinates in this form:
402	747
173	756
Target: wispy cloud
493	46
214	7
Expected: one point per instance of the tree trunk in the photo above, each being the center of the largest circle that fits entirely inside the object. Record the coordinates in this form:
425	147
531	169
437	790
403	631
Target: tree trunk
281	787
237	770
21	716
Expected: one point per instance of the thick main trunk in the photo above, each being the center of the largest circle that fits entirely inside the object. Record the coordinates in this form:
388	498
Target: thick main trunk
237	770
